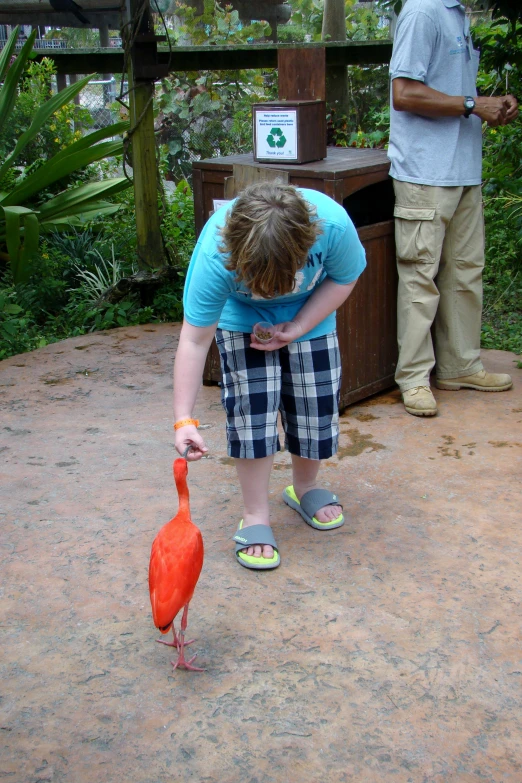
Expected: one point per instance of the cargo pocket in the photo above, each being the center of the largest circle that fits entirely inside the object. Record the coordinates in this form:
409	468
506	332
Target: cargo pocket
415	234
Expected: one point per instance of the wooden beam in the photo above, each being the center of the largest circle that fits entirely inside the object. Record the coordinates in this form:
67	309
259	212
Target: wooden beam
217	58
61	19
150	249
34	6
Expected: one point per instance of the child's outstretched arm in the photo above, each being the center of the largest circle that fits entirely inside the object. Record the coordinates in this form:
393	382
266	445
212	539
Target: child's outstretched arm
327	297
194	342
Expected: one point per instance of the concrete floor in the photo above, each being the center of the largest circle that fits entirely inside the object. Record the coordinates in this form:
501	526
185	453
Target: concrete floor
387	650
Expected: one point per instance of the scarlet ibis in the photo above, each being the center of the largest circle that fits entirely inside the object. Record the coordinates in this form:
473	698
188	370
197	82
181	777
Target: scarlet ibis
176	560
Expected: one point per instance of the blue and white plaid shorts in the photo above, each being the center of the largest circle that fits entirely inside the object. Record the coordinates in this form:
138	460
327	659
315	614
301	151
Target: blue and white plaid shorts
302	381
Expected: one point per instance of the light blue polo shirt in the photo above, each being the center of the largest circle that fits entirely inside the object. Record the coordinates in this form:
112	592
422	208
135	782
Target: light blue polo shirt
433	45
212	294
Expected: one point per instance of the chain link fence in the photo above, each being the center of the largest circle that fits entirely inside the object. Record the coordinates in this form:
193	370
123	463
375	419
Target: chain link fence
98	97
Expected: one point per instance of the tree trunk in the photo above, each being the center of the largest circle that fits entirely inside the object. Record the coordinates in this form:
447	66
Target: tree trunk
334	29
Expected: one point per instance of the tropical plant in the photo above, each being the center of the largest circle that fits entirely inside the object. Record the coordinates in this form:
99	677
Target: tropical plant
22	213
106	273
65	126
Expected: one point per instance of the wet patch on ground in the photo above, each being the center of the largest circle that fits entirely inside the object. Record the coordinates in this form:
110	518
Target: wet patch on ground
359	443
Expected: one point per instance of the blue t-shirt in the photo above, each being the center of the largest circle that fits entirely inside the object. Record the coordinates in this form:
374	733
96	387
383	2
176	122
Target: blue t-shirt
212	293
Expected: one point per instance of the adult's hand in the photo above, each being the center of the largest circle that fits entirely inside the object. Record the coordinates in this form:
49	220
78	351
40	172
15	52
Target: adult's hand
188	435
285	333
493	110
512	107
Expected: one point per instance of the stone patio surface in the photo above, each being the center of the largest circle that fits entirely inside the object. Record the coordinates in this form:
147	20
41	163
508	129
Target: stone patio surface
387	651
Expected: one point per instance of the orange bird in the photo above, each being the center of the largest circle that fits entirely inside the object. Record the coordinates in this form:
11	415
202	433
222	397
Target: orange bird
176	560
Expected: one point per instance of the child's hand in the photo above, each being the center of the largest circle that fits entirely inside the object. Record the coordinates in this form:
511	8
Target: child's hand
186	436
285	333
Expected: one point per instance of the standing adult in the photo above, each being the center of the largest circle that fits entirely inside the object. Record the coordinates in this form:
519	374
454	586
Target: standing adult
436	164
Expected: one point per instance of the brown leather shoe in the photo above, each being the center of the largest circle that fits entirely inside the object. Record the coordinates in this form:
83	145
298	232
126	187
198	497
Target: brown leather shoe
480	381
420	401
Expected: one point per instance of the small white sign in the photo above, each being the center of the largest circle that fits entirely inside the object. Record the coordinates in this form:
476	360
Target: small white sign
217	203
276	134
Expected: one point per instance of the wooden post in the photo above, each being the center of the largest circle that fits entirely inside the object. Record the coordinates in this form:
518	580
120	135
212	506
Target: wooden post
105	43
145	175
301	74
151	253
61	81
73	78
334	29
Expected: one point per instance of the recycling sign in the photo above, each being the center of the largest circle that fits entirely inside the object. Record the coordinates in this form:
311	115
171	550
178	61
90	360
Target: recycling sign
275	133
276	138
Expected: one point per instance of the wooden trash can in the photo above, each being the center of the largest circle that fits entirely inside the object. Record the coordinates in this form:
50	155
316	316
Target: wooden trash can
366	323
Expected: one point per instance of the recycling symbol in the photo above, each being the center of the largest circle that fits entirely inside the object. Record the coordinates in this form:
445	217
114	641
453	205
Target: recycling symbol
276	138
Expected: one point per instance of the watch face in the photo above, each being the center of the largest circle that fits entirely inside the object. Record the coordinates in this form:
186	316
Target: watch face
469	103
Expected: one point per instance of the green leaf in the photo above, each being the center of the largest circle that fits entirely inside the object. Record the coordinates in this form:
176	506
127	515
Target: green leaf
10	328
9	91
174	146
54	170
11	309
21	252
75	200
45	111
7	52
88	212
117	129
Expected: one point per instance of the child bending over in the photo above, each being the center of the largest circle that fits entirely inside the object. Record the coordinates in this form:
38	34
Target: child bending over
290	257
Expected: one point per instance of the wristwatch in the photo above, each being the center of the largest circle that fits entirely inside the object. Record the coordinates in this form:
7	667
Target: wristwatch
469	105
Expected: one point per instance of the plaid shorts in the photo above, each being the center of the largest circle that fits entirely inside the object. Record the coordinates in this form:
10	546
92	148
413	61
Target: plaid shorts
302	381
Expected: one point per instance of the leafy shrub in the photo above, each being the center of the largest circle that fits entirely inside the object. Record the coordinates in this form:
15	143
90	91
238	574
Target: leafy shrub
35	88
502	314
27	204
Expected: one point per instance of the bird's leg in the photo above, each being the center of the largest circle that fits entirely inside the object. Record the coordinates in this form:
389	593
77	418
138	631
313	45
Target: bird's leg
174	642
181	663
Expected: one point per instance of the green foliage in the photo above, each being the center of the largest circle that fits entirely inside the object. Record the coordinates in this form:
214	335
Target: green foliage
363	24
500	73
341	131
25	205
217	25
63	295
208	113
306	20
509	9
62	128
106	273
178	223
77	37
17	330
502	315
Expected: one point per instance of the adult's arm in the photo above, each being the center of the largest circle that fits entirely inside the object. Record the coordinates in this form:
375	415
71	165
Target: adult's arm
326	298
194	342
416	97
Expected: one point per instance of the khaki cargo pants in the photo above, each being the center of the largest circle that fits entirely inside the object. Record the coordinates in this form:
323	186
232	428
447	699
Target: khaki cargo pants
439	236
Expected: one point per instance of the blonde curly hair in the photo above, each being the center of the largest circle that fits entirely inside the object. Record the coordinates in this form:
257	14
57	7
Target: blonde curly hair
267	235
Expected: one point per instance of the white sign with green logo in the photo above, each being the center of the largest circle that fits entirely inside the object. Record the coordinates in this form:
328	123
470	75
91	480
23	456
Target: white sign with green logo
276	134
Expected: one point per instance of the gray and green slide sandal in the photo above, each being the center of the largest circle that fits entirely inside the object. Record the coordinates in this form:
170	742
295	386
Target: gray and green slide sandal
310	503
250	536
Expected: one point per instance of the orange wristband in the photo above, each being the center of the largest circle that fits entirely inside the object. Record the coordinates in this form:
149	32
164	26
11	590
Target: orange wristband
184	422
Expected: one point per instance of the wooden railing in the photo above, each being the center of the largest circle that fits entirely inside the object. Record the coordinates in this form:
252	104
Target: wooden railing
218	58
